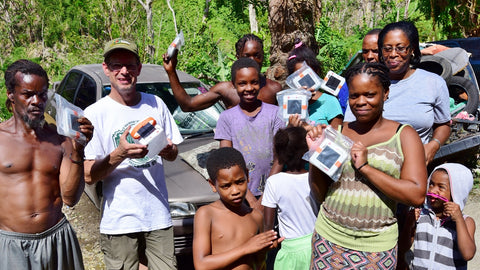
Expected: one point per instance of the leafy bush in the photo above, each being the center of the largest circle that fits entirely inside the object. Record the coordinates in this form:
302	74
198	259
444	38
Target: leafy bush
335	48
36	30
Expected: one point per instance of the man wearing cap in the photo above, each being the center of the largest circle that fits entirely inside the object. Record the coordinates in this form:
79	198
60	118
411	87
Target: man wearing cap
135	210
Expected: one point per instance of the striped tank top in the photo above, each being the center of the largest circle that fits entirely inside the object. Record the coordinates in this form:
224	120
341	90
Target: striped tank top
355	214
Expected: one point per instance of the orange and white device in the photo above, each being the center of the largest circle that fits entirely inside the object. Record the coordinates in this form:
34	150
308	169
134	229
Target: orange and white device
332	83
295	104
329	157
147	132
332	153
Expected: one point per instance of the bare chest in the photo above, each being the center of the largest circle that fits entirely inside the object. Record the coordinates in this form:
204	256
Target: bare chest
232	230
20	156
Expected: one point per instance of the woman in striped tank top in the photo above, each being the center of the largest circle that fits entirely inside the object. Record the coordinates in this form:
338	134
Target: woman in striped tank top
356	227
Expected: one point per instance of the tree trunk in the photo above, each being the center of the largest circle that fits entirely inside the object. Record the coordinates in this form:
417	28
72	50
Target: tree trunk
432	15
205	11
252	15
407	5
6	17
10	12
288	20
173	15
151	34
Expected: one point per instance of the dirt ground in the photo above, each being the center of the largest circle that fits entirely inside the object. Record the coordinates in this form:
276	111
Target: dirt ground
472	208
84	218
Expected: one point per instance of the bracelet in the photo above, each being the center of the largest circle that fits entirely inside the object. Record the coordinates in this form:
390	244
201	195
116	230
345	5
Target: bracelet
75	161
437	140
361	166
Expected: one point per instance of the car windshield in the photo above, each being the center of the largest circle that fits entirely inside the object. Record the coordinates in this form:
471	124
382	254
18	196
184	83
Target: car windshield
188	122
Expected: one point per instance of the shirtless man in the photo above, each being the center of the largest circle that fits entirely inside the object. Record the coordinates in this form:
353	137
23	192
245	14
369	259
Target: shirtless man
249	46
40	171
226	232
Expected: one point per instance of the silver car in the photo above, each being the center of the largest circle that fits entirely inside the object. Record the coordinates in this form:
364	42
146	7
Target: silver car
185	177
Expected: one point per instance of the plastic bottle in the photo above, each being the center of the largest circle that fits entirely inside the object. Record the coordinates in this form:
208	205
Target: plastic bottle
176	44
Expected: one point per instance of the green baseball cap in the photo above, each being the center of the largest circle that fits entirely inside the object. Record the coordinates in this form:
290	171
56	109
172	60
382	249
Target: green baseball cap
120	43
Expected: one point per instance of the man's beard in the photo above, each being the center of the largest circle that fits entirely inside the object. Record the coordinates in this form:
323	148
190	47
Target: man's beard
33	123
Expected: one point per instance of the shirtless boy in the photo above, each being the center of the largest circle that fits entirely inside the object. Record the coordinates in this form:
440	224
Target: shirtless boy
249	46
226	232
40	171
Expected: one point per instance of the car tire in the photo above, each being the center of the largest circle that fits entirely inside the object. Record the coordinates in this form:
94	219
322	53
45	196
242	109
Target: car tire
458	85
437	65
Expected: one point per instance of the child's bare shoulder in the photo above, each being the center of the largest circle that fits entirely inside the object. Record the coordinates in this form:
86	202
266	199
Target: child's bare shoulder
207	211
224	89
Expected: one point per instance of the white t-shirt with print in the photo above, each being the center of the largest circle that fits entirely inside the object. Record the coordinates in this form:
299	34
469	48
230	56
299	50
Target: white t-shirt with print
135	196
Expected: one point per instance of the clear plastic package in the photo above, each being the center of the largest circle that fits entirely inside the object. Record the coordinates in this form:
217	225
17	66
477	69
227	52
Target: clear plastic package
331	153
147	132
176	44
66	118
293	101
332	83
304	77
199	120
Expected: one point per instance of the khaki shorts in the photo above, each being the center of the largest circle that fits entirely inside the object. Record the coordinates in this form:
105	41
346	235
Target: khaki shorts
122	251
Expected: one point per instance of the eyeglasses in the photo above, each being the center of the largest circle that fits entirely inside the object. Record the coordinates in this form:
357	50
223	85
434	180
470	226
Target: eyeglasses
398	49
117	67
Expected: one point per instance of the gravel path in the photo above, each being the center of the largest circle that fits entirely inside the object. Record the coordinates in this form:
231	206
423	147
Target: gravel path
472	208
84	218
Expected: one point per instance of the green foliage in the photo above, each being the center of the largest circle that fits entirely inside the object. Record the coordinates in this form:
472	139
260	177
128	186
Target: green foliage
4	113
210	37
335	48
64	33
455	19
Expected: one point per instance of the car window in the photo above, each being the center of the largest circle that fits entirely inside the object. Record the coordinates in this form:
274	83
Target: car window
69	86
160	90
86	94
188	122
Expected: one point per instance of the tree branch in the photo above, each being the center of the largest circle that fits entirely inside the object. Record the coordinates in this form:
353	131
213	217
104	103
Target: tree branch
173	14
